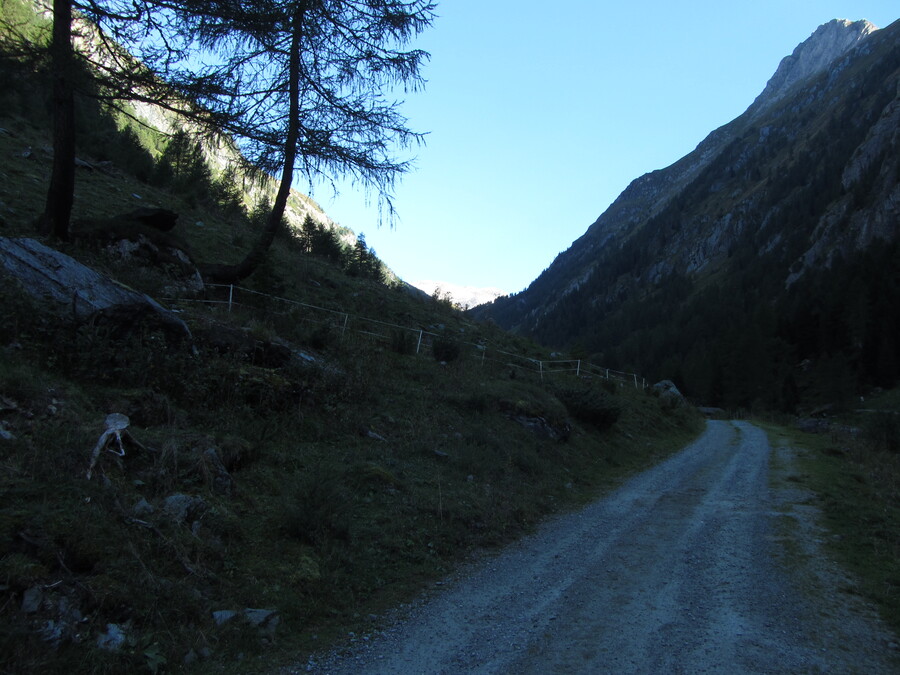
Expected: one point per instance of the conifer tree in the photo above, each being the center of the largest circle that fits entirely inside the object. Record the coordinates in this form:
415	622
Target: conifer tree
312	80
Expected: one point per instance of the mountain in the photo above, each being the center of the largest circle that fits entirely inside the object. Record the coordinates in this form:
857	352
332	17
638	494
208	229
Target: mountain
773	238
462	296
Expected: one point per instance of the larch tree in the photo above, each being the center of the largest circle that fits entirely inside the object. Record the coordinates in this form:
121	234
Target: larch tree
129	50
313	80
61	191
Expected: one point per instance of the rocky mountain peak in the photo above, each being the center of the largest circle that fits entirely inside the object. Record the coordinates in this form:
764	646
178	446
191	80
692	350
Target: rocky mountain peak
814	55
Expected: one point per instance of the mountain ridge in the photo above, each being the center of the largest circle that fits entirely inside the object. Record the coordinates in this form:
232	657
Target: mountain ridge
806	61
804	177
812	56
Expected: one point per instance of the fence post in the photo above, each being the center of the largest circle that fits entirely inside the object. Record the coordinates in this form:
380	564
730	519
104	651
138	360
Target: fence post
419	343
541	369
344	327
230	296
635	380
578	369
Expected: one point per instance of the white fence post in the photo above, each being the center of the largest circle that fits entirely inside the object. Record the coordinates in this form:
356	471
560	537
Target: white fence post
578	369
230	296
419	343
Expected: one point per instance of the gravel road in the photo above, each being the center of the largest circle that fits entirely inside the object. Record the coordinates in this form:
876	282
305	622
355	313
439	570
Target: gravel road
707	563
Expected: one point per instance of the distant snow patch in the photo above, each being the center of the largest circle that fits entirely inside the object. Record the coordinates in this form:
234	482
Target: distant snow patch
464	296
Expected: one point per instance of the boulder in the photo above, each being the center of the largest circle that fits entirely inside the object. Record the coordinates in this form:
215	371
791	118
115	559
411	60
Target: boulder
223	616
181	507
32	599
668	394
264	620
113	639
78	291
142	509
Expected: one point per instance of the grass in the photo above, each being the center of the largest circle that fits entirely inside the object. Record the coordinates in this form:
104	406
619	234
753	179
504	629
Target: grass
328	492
351	486
857	488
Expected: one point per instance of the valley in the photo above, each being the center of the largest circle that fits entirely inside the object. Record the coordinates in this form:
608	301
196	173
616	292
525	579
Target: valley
294	460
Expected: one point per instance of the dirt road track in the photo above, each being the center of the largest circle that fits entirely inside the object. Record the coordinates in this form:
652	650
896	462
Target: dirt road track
681	570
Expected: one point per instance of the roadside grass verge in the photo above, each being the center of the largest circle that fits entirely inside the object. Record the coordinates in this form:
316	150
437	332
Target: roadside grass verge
857	486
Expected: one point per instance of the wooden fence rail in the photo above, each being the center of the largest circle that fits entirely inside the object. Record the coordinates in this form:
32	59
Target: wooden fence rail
484	353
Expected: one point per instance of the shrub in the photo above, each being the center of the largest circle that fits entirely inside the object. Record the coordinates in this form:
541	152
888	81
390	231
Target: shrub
404	342
445	349
317	509
590	406
882	430
321	336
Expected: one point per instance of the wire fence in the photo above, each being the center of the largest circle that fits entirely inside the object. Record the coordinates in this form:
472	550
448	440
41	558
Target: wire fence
405	339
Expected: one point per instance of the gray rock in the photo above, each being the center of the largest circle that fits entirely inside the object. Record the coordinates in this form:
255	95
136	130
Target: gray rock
181	507
53	632
142	508
668	393
64	627
190	658
31	599
223	616
78	291
814	55
113	639
266	620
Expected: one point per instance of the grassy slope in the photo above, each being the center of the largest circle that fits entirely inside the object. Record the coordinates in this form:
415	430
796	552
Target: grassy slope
856	479
324	521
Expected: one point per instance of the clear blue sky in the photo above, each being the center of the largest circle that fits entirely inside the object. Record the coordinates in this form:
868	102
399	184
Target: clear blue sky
540	114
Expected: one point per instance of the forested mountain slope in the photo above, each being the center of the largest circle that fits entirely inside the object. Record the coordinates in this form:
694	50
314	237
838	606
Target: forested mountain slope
762	268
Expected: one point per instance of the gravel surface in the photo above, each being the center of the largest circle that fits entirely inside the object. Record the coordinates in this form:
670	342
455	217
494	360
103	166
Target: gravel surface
683	569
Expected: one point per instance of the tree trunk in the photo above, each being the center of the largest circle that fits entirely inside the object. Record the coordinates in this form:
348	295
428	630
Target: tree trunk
229	274
61	193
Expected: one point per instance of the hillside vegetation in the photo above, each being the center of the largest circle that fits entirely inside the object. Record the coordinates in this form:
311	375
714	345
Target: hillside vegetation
287	473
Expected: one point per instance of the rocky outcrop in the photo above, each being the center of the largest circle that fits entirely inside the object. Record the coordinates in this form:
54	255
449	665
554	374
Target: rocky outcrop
811	57
78	292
